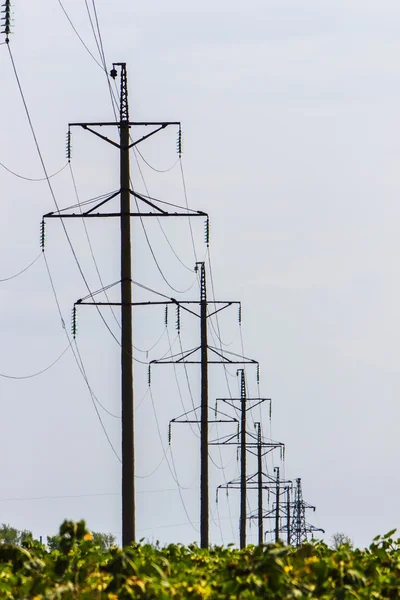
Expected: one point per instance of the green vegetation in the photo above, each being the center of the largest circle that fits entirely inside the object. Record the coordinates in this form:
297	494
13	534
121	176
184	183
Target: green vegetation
78	568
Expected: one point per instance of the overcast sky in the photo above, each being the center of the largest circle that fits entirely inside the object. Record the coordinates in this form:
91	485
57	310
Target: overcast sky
290	130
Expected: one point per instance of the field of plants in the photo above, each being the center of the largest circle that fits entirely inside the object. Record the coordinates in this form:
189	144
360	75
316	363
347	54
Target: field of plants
78	569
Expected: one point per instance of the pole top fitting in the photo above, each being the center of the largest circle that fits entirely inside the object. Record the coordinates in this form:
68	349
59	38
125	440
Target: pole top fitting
123	110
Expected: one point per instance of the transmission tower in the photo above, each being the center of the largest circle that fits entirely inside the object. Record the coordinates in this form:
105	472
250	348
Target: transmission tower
300	529
152	209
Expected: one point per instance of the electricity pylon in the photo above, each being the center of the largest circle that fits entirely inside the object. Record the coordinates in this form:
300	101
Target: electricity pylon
218	357
152	209
300	529
289	513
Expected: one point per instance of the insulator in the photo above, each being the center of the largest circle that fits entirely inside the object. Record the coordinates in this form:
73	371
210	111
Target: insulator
240	314
238	431
169	434
237	454
207	232
258	373
149	375
178	318
179	141
74	322
42	234
166	315
216	496
227	492
6	19
69	147
216	410
283	452
270	409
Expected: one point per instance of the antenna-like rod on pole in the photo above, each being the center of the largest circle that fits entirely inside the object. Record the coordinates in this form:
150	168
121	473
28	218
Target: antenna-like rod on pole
128	459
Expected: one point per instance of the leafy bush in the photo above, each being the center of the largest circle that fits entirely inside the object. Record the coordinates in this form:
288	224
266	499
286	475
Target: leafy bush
79	568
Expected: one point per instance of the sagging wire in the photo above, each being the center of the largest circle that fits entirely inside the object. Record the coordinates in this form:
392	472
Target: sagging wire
94	258
153	168
32	375
216	316
22	271
226	344
179	150
187	375
52	192
156	469
87	235
80	364
94	397
160	225
172	470
178	384
155	259
33	178
187	206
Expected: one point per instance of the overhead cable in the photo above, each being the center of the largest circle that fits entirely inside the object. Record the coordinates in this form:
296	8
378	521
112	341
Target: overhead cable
30	376
22	271
79	37
33	178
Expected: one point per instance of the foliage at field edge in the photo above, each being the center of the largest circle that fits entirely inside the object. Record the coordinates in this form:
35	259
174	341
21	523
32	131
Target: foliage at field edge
78	568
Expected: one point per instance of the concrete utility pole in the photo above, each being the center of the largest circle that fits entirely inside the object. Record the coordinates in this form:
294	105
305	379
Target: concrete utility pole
128	456
277	504
204	491
260	486
152	209
243	498
288	515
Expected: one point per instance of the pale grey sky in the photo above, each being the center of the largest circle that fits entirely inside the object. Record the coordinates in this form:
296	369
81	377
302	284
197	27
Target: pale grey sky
290	122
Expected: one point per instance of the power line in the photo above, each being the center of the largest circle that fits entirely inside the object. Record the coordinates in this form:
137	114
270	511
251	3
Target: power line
155	259
100	48
187	206
53	195
79	37
172	471
71	496
32	375
153	168
90	243
79	364
33	178
179	387
83	371
22	271
163	231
